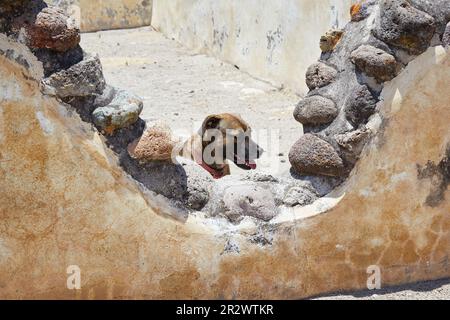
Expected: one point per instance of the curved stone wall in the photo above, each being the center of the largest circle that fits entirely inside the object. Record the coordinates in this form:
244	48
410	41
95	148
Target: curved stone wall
65	201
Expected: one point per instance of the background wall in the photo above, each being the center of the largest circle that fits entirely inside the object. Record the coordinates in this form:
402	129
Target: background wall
110	14
272	40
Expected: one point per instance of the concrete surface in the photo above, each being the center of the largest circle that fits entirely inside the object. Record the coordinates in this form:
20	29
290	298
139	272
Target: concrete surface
273	40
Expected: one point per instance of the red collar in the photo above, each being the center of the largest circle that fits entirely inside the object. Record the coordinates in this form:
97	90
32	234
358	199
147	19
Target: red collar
215	173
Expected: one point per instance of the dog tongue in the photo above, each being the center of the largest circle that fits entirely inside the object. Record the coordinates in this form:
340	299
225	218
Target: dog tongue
251	165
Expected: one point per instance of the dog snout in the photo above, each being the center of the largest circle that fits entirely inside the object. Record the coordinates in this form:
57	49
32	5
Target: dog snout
259	151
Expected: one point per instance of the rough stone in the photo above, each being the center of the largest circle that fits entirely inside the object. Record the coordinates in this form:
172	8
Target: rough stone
54	61
352	143
319	75
403	26
446	36
80	80
105	97
155	144
198	185
50	29
123	111
249	200
301	196
330	39
312	155
360	105
375	63
438	9
10	9
315	110
184	184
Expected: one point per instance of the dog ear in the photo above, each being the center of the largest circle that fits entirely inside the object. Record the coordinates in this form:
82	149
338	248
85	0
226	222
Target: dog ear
211	122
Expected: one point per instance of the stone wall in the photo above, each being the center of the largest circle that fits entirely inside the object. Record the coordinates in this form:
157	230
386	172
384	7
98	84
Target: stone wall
272	40
109	14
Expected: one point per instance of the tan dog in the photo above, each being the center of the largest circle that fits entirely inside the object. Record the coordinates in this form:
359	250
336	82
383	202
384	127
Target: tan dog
221	137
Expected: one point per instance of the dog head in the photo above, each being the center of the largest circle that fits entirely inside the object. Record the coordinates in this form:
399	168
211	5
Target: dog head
228	136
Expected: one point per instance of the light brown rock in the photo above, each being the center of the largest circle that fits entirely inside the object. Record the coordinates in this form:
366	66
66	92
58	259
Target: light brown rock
330	39
156	144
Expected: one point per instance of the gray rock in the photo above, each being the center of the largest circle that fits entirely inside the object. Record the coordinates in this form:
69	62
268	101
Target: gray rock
299	196
321	185
54	61
258	176
123	111
360	105
80	80
198	186
10	9
249	200
105	97
319	75
312	155
352	143
185	183
315	110
375	63
405	27
446	36
438	9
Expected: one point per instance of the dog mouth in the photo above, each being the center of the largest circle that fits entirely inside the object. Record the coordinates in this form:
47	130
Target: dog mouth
245	164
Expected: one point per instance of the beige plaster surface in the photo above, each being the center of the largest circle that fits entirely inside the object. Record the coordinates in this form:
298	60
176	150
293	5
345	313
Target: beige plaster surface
64	201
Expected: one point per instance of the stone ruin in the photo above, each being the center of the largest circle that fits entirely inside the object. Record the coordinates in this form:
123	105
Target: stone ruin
246	226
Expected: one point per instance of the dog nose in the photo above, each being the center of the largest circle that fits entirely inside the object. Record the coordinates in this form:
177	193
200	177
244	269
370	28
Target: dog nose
259	151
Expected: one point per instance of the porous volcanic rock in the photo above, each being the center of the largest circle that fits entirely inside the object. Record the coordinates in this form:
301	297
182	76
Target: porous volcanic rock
319	75
155	144
312	155
50	29
80	80
360	105
11	9
315	110
438	9
54	61
403	26
375	63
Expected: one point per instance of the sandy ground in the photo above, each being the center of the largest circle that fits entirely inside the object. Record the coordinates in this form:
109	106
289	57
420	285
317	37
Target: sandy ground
428	290
183	88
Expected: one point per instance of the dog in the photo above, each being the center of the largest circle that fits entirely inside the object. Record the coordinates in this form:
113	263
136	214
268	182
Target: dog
222	137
